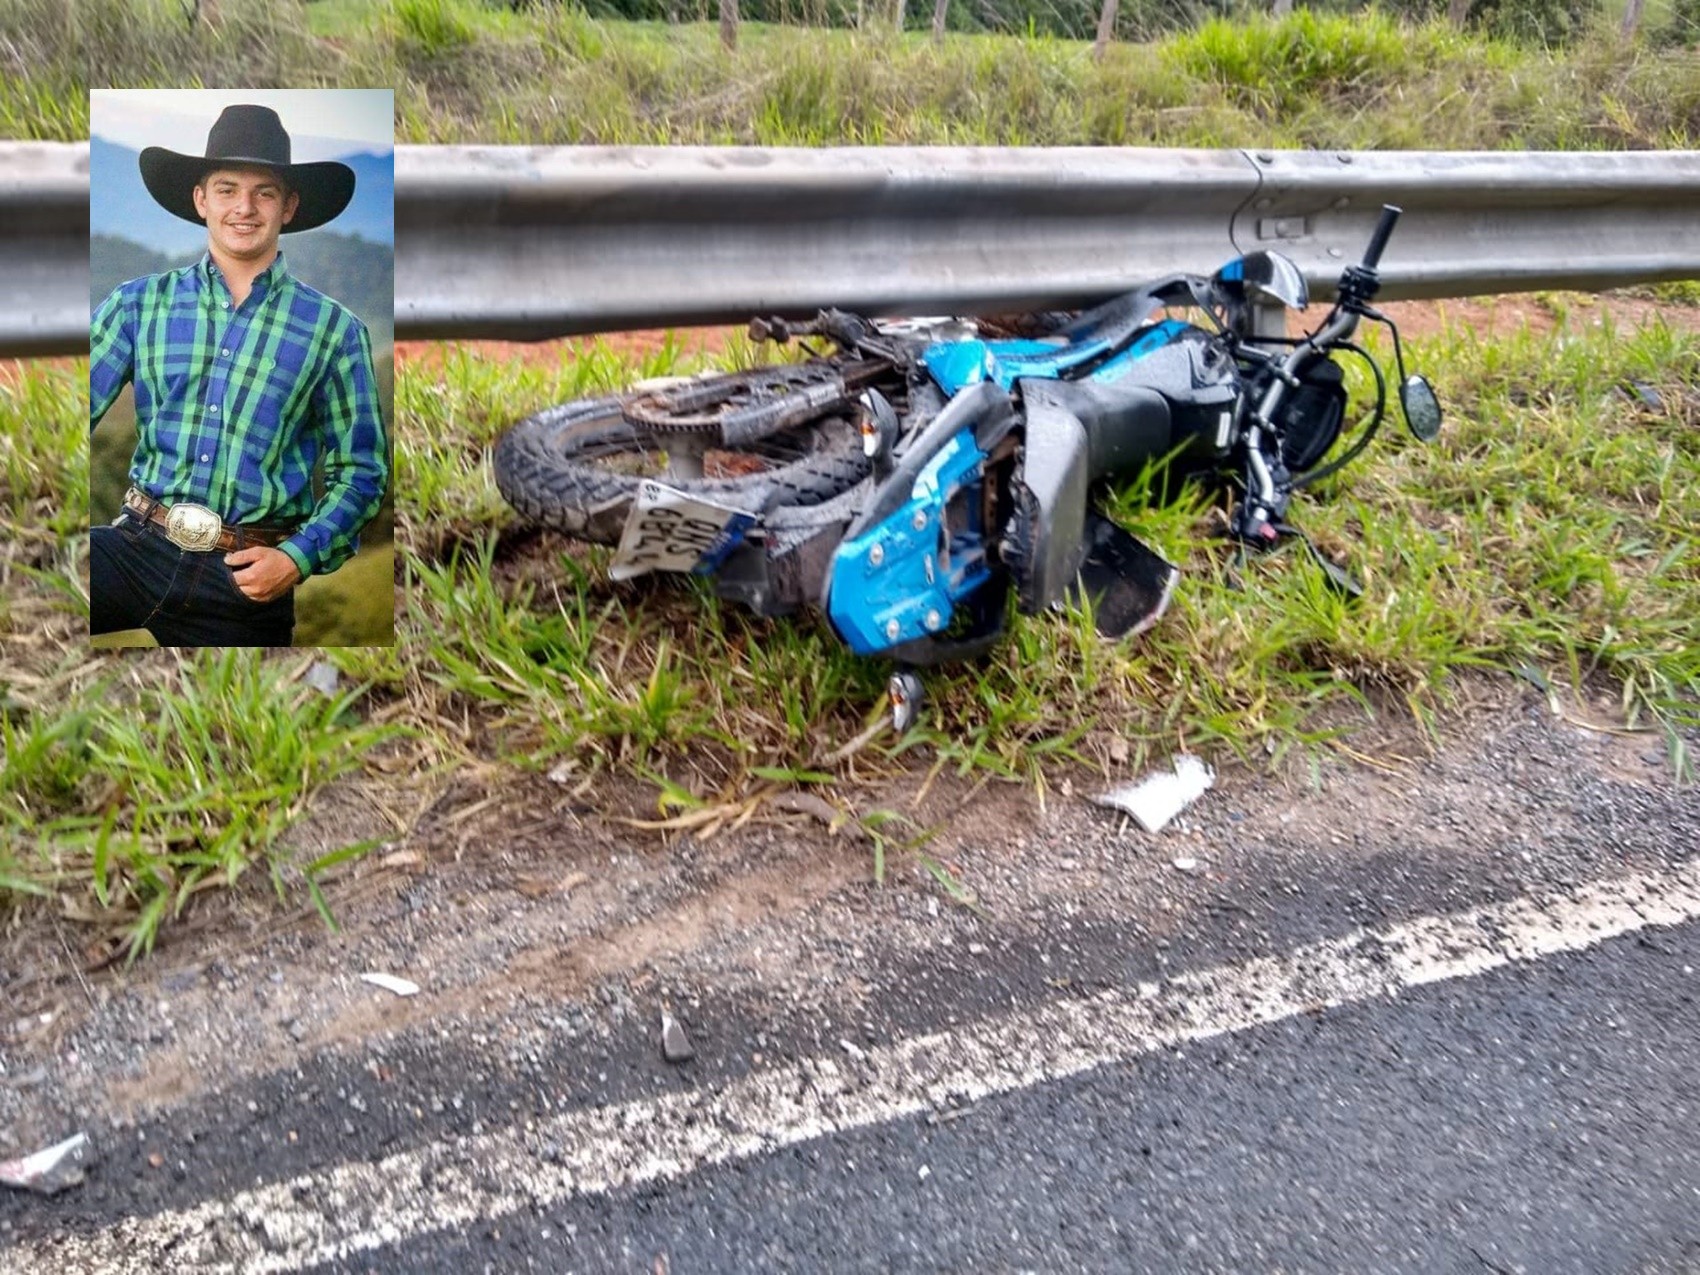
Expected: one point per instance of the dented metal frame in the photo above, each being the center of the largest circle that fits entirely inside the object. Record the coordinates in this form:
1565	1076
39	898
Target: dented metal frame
44	248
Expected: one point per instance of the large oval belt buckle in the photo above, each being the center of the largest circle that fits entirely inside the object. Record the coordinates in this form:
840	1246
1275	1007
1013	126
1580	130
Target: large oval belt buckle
193	527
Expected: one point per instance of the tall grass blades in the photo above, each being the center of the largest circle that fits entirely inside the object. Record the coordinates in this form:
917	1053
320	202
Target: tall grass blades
1365	79
247	43
143	794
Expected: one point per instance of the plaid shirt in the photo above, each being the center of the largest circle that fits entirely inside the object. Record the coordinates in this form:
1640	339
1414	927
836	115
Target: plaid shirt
235	405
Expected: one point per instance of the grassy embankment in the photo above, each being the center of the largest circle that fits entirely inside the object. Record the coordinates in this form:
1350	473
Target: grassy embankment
466	72
1552	530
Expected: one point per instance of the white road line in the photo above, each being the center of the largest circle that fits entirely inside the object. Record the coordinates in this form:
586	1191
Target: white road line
367	1204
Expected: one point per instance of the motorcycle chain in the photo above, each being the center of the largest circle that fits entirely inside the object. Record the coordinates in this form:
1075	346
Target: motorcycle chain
740	408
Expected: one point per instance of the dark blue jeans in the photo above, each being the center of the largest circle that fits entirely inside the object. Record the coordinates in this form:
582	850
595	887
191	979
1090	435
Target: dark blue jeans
140	580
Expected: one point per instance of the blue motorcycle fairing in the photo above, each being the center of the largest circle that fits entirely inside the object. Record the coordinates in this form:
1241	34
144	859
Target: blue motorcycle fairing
901	579
955	365
1154	338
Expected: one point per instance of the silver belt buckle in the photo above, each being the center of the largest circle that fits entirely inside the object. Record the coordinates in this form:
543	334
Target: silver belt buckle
193	527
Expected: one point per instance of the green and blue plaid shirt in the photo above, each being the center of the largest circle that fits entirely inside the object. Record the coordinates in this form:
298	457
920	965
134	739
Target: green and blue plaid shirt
236	405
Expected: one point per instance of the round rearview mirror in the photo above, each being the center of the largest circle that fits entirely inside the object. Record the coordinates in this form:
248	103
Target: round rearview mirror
1422	408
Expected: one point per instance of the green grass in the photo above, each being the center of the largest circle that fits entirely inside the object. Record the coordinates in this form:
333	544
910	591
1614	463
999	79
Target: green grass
469	71
143	791
1360	80
43	92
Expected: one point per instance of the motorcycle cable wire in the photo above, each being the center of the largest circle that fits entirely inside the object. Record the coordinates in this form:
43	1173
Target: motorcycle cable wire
1375	316
1366	433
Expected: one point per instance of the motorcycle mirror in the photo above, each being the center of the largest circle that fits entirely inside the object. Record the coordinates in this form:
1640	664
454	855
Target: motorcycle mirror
1422	408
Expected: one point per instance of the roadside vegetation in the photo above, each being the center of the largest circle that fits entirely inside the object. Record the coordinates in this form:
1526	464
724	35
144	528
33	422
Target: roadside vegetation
1519	74
1550	535
1363	80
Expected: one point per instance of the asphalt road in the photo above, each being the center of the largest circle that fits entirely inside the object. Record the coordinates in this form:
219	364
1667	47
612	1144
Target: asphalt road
1506	1087
1543	1118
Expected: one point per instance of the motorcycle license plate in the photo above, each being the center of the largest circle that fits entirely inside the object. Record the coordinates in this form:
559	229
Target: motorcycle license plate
667	530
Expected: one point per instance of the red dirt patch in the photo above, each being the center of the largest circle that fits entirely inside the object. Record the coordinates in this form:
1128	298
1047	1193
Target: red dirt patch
1541	313
1487	316
12	370
550	353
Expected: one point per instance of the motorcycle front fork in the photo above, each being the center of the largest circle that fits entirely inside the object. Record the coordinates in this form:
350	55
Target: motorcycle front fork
1261	512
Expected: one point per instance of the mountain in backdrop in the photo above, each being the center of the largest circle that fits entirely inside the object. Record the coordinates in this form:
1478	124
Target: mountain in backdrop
356	272
119	204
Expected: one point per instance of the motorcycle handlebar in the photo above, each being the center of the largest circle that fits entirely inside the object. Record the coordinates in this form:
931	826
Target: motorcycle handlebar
1383	232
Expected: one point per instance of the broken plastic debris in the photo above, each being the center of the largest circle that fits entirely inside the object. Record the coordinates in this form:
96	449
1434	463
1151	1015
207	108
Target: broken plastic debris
1186	863
51	1171
323	677
1158	798
402	859
390	983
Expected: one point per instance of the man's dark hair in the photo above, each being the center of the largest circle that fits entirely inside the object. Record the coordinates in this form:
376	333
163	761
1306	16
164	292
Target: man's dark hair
279	178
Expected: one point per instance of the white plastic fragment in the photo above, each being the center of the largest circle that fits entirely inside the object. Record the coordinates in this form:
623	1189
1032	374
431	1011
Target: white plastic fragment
51	1171
390	983
323	677
1159	797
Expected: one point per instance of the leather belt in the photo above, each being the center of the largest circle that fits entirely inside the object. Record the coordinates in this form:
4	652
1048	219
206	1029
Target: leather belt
198	529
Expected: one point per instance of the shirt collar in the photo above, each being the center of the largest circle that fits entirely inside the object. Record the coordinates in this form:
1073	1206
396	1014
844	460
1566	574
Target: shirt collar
207	271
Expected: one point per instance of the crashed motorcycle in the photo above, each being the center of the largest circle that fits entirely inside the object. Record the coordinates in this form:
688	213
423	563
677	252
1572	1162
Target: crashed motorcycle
913	480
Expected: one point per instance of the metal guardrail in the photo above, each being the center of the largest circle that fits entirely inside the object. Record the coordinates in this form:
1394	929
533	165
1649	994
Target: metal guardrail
522	243
527	243
44	248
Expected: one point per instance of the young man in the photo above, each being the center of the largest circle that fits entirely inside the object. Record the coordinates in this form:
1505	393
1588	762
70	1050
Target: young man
246	380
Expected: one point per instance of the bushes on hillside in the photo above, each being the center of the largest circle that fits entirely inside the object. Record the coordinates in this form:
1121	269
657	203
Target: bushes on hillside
1541	22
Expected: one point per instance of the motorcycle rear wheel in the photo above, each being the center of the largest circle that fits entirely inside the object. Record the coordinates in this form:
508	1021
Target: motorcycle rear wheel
577	466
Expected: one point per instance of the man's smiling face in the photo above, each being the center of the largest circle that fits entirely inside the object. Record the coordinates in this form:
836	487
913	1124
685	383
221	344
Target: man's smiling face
245	211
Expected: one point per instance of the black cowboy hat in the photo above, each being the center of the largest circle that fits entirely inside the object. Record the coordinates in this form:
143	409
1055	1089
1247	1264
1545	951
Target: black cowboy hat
248	135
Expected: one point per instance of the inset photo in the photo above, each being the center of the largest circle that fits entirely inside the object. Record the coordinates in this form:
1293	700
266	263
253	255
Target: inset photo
241	367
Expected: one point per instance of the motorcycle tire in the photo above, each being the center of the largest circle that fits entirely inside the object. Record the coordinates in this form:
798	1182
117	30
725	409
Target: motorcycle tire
577	467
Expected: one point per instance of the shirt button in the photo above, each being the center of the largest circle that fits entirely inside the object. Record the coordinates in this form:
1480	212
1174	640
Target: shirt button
213	409
226	353
205	458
